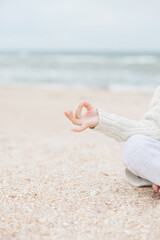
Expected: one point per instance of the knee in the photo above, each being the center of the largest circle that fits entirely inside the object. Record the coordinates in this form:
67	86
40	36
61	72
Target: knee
133	149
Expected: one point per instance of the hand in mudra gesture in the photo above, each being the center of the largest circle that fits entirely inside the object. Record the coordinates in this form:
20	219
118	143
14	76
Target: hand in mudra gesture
90	119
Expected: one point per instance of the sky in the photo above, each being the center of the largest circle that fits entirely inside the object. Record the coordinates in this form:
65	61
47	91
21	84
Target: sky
80	25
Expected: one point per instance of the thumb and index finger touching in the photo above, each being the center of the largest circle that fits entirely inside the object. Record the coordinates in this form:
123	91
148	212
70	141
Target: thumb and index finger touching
76	119
78	112
78	115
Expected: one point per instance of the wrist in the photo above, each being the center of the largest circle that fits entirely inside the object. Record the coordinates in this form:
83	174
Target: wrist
96	121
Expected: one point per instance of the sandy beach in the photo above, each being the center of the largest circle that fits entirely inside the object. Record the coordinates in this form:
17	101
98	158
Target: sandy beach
58	184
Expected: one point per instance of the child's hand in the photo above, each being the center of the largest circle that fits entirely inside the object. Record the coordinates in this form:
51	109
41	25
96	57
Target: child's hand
89	120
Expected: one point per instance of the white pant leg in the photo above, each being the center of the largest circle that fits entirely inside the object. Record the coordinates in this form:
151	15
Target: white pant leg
141	155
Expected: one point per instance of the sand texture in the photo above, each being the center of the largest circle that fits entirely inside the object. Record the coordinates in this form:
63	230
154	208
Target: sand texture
57	184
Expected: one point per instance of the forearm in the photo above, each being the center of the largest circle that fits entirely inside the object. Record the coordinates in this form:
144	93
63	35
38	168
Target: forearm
122	128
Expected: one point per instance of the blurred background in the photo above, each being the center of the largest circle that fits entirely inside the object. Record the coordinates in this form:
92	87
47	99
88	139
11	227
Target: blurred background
98	43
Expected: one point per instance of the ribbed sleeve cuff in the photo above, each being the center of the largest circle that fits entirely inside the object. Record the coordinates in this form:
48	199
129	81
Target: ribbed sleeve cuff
105	120
109	125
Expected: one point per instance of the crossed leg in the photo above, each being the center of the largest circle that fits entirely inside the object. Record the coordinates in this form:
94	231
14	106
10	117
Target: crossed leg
141	155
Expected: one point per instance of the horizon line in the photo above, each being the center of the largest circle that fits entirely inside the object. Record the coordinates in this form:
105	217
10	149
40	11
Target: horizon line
64	51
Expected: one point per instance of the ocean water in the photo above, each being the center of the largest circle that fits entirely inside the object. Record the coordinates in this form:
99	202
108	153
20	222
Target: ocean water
116	71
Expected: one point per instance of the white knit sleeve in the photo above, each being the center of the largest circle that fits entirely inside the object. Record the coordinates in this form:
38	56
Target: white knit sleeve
122	128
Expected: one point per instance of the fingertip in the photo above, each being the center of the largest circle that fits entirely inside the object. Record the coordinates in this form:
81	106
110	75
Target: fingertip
72	130
83	102
66	114
75	130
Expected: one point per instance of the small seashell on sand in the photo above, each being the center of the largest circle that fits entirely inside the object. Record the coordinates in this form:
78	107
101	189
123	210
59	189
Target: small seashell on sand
65	224
94	193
